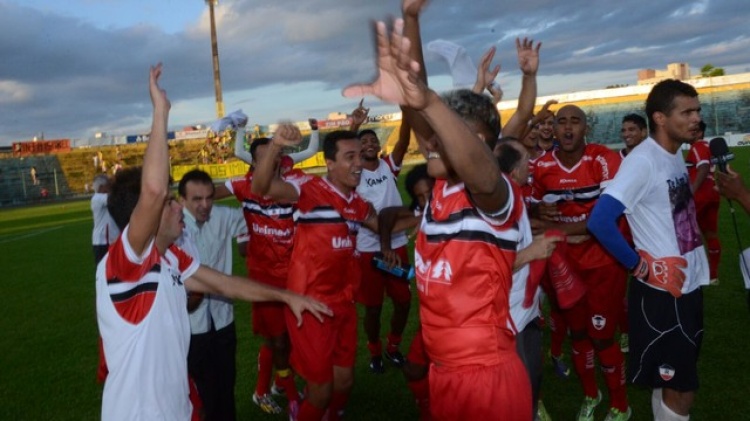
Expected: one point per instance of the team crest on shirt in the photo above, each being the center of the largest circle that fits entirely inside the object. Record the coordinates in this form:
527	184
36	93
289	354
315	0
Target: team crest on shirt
666	372
598	321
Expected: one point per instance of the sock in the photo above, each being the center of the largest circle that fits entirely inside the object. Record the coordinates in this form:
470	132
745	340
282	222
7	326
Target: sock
714	256
666	414
656	402
376	349
613	368
393	342
285	379
559	329
265	366
583	360
338	403
310	412
421	391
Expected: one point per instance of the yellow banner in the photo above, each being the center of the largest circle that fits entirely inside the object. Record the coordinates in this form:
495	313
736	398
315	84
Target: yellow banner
237	168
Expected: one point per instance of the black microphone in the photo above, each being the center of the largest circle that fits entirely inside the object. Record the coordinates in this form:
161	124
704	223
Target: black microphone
720	154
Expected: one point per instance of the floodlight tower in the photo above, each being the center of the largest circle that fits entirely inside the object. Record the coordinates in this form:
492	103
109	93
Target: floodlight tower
215	54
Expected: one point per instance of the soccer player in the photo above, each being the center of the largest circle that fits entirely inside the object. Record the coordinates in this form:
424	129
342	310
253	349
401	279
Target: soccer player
652	189
378	186
473	212
701	173
142	284
323	263
269	250
213	340
633	131
569	181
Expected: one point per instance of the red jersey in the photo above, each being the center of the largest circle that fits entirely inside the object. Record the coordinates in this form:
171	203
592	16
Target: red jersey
576	191
323	264
526	190
271	228
464	264
700	155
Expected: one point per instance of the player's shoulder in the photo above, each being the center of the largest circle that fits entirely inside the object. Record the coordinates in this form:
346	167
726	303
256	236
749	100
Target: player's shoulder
596	149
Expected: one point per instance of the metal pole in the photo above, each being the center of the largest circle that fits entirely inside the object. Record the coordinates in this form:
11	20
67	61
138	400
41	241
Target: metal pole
57	188
215	55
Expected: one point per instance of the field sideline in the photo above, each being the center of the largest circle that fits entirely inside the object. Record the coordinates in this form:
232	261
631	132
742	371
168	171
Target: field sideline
49	331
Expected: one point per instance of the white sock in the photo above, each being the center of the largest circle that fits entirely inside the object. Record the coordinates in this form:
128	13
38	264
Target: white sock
656	402
666	414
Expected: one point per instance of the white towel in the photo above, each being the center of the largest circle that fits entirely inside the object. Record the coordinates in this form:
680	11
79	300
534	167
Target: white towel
233	119
462	68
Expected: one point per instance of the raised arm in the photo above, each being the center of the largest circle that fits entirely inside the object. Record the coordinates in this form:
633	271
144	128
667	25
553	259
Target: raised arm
410	10
239	147
359	116
485	76
265	181
528	62
312	146
402	145
144	222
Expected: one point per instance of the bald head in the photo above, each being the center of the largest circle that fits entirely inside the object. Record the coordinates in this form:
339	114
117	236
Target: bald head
570	128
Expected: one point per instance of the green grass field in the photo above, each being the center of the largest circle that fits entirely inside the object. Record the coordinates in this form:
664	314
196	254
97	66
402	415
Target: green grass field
49	333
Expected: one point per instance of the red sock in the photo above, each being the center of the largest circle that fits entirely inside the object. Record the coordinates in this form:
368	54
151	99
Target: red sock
285	379
714	256
421	391
613	368
338	403
265	365
583	360
393	342
559	330
310	412
375	348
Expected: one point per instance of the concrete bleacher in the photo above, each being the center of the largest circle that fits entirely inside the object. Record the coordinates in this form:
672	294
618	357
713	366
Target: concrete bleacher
17	186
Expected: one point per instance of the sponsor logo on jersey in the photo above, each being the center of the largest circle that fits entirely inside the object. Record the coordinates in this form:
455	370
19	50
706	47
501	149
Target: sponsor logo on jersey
598	321
666	372
275	232
176	277
546	164
569	219
341	243
376	181
568	180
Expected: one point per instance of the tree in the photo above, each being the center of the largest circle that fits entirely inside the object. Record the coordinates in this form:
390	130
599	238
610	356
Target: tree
710	71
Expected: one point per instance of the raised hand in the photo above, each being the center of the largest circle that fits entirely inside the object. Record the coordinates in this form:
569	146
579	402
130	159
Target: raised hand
359	115
287	134
528	56
412	7
158	95
485	76
398	79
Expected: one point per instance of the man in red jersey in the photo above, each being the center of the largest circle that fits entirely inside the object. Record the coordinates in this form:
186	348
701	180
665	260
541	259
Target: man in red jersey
707	200
323	263
271	228
569	181
467	241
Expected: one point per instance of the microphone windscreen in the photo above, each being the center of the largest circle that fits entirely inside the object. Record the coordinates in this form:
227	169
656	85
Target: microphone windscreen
718	147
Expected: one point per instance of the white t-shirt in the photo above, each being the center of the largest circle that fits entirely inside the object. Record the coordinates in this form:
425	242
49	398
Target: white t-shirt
379	188
653	185
105	231
214	243
523	316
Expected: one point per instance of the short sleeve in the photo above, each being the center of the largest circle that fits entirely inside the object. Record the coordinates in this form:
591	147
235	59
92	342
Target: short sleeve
123	264
186	264
395	169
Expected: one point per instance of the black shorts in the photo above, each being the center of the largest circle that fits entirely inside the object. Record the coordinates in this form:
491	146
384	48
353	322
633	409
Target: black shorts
665	338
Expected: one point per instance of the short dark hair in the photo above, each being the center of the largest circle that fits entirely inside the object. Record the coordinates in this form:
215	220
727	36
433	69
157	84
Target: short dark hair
419	172
662	95
123	195
477	108
508	157
636	119
330	143
366	131
258	142
196	175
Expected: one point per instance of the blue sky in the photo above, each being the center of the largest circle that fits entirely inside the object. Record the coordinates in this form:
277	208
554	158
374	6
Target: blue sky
76	67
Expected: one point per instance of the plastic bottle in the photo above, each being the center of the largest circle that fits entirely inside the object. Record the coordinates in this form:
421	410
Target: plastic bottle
404	272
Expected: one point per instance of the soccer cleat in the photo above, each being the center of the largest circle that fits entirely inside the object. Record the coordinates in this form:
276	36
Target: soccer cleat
395	357
561	368
277	390
541	412
615	414
376	365
293	410
586	413
624	343
267	404
714	281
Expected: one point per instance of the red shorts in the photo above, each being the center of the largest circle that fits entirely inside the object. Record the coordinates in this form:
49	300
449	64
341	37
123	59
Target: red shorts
599	311
417	353
707	213
268	319
476	392
318	347
374	283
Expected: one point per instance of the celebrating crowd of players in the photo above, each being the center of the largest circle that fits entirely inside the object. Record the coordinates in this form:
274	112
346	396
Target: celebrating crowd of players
503	217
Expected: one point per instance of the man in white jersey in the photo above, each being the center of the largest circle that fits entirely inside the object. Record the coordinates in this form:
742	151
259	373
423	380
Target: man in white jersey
378	186
142	284
105	231
213	339
652	189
